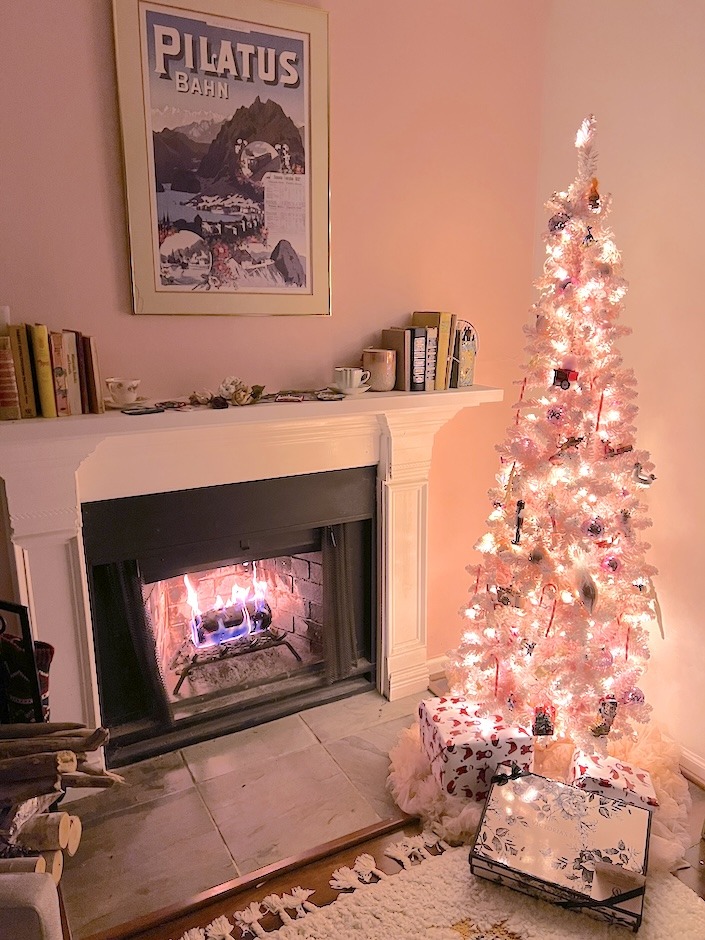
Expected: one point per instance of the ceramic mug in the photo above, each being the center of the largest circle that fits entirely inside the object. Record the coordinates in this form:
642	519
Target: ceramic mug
123	391
382	366
349	379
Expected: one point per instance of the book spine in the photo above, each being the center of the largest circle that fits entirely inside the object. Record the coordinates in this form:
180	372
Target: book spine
431	355
94	382
59	372
72	377
417	377
19	343
451	348
9	396
467	350
453	381
82	374
41	357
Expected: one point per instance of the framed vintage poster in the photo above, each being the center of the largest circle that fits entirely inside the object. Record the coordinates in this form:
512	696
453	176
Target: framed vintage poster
224	114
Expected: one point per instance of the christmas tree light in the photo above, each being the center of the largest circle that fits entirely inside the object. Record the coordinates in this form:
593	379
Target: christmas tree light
556	622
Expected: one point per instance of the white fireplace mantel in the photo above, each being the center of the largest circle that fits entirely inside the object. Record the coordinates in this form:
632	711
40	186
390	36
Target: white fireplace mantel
51	467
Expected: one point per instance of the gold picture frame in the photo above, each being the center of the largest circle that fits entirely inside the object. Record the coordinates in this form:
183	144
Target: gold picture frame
225	137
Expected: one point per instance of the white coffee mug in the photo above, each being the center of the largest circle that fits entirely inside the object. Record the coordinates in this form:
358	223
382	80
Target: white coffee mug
123	391
348	379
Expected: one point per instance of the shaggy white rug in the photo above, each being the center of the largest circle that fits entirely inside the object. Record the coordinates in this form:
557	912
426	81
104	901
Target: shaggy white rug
439	899
415	790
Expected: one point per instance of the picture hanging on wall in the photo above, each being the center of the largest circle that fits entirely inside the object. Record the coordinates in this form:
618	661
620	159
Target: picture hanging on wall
225	137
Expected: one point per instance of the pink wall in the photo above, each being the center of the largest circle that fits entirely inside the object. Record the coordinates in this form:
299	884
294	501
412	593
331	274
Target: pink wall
434	155
638	65
441	129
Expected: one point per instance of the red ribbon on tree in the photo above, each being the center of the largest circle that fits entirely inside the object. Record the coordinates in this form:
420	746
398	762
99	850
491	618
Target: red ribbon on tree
553	608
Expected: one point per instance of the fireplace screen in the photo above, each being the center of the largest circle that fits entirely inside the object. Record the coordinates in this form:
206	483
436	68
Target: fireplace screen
218	609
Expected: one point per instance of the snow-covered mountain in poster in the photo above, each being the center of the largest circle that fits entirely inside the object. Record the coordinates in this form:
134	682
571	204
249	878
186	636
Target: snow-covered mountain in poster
227	107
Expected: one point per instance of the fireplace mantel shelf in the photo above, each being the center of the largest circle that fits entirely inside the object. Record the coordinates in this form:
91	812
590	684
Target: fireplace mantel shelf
443	404
51	468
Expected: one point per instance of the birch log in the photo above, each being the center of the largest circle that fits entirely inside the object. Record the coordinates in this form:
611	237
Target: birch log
48	831
75	832
54	864
29	863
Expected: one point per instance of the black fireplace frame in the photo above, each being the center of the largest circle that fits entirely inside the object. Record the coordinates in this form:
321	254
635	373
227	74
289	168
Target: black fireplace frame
138	539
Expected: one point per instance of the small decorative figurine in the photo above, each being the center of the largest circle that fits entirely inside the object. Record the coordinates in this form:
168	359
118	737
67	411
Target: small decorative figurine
544	718
606	715
519	521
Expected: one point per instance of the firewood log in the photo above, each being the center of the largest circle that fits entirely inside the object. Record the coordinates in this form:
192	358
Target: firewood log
54	864
60	742
30	863
75	832
85	768
31	766
27	789
37	729
48	831
14	817
101	781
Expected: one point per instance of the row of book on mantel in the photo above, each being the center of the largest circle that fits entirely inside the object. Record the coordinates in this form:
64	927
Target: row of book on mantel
47	373
435	351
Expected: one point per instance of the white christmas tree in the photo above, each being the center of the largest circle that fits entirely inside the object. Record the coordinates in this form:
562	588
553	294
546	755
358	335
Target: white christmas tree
556	624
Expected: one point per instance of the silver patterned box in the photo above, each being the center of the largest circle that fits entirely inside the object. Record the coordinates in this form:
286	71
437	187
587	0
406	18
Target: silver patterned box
579	850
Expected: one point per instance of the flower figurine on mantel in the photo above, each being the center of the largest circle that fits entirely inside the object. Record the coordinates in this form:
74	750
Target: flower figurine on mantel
231	391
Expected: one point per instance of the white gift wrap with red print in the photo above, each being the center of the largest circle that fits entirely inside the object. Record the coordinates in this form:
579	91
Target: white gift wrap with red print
466	748
612	777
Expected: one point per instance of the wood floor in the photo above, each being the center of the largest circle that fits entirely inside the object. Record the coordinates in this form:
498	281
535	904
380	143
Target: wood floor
312	870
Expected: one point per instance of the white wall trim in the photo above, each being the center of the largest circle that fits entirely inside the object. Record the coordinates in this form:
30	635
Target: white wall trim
693	766
437	665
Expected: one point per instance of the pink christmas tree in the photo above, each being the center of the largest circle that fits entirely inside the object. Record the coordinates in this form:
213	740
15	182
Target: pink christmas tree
556	623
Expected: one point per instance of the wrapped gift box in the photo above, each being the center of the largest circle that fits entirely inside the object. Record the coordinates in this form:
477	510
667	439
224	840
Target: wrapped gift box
465	748
579	850
612	777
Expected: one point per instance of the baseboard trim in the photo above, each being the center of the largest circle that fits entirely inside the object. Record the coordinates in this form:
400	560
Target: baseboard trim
437	666
693	766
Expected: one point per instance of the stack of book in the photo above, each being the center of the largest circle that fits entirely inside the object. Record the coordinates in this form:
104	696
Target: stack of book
47	373
436	351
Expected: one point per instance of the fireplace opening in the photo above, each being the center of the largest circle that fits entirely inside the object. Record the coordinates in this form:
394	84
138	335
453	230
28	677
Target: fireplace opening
221	608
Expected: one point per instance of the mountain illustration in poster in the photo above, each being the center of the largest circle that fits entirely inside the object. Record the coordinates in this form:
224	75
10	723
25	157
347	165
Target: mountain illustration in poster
231	193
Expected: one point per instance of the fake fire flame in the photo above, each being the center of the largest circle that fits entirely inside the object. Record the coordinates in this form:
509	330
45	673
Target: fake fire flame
246	612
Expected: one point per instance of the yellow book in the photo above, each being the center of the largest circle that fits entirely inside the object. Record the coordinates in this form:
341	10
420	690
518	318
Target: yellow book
442	321
43	370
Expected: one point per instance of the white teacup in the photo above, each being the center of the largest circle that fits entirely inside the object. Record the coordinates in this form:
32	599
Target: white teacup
123	391
349	379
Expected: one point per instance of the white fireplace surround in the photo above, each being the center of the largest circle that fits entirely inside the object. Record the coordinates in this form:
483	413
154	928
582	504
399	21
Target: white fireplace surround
51	467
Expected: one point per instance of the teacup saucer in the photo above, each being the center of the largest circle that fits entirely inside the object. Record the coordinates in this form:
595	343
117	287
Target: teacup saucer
109	403
350	391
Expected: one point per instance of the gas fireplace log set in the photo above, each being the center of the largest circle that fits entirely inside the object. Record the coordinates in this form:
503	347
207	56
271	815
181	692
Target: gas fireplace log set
38	763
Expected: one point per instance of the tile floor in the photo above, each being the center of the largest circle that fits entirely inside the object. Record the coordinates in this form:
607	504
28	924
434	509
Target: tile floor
208	813
211	812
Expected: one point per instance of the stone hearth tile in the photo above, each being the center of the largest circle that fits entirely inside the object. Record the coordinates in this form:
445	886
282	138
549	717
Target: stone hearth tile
364	758
274	808
223	755
145	781
139	861
358	712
